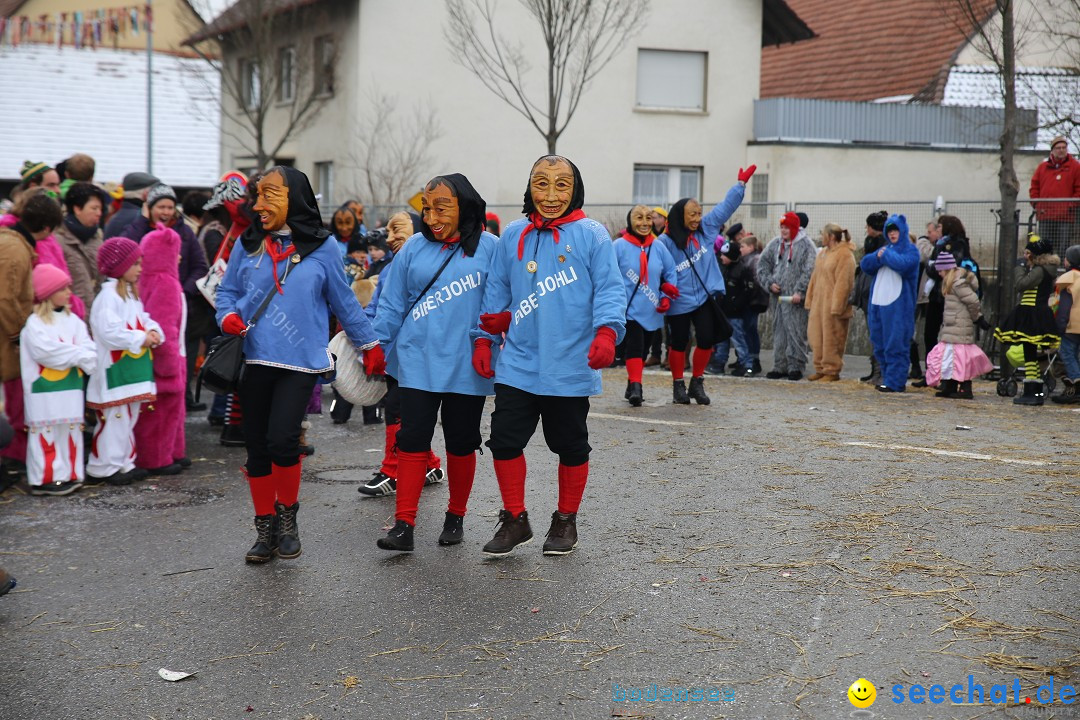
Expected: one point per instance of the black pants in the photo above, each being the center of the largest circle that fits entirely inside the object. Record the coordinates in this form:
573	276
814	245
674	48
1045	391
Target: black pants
657	342
274	400
392	402
460	421
340	409
513	423
935	316
638	340
704	328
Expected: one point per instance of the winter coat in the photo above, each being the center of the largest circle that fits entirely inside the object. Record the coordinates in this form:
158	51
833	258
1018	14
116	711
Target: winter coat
125	369
193	265
16	296
1033	277
789	265
81	258
926	249
49	251
556	311
55	358
129	210
643	302
1056	182
430	347
962	309
1069	283
832	280
759	299
742	287
163	299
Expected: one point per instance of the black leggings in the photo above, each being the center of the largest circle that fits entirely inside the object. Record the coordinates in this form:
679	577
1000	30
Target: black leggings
638	340
460	420
704	328
274	400
513	423
392	402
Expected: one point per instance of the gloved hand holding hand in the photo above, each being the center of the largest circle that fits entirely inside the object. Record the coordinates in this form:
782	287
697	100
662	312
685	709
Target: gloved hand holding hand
233	324
745	175
495	323
982	323
602	350
481	358
669	290
374	361
664	305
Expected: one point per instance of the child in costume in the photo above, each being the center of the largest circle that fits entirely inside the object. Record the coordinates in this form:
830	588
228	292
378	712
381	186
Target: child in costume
55	351
125	335
159	434
1031	324
1068	319
956	360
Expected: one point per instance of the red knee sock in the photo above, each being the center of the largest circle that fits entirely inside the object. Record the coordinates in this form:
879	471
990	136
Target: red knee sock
460	471
433	460
677	361
287	483
389	463
700	360
412	466
572	479
634	366
511	477
263	493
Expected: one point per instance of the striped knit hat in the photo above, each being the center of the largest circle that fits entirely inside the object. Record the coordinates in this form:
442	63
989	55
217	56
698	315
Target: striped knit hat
944	261
33	170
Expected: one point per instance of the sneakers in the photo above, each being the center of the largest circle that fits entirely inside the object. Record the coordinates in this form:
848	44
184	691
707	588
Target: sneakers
634	394
266	542
562	536
184	462
288	533
380	484
711	369
434	476
453	530
678	393
55	489
697	391
117	479
511	533
775	374
399	538
170	469
794	375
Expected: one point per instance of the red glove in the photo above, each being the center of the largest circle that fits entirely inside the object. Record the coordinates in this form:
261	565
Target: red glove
495	323
233	324
664	305
481	357
602	350
669	290
374	361
745	175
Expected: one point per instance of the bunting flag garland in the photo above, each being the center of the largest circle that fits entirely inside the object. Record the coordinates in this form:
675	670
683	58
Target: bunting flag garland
79	29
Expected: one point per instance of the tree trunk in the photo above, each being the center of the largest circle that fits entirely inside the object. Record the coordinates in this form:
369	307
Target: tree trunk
1007	182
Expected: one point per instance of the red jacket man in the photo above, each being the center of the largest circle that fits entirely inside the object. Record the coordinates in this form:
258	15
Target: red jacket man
1056	177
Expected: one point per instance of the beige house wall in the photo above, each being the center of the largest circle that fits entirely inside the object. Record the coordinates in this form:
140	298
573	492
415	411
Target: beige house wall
1035	47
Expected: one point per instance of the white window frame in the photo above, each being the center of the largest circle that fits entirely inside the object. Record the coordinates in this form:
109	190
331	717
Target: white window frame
286	66
251	86
674	182
323	49
642	101
324	182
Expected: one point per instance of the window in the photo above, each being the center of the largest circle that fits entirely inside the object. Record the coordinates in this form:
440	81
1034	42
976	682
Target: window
324	183
659	185
759	193
325	55
286	91
249	84
671	79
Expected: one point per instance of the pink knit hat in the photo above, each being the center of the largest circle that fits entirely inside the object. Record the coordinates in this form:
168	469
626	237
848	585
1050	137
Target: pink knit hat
116	255
47	280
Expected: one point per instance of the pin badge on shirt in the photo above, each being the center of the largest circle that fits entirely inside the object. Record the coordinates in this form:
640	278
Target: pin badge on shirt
567	248
531	266
295	258
562	258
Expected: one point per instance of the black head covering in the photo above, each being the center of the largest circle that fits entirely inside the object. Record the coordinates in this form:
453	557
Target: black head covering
676	224
417	223
733	231
303	218
471	207
577	200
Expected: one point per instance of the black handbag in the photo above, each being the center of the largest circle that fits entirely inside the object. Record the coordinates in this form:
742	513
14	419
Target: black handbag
223	367
721	326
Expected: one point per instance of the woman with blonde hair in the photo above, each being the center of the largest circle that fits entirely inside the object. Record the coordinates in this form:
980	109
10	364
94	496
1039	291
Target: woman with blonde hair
827	300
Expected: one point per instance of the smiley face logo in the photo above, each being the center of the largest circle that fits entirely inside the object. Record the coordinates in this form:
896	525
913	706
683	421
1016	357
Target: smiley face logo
862	693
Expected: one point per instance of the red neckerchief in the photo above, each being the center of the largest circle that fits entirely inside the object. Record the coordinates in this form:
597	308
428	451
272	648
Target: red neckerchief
450	242
1054	164
275	255
643	272
538	222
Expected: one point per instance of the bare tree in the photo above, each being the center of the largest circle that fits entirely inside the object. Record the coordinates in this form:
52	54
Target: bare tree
393	150
277	71
1059	94
580	37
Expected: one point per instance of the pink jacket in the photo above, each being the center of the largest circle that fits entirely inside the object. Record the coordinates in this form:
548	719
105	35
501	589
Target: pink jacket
163	298
49	251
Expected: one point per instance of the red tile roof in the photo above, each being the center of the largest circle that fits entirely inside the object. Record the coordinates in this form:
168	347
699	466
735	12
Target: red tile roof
869	49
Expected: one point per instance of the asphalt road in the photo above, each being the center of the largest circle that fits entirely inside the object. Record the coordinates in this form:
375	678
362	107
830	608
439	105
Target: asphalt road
772	548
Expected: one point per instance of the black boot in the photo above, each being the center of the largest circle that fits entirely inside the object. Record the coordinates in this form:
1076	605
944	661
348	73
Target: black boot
679	396
288	534
629	387
340	409
562	536
697	391
400	538
232	435
266	543
963	391
874	378
1068	394
915	372
948	389
453	529
1033	394
633	394
513	531
372	415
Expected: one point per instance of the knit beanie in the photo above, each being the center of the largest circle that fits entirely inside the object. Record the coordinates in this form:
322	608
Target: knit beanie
944	261
48	279
791	222
804	219
1072	256
876	221
1037	246
1058	139
116	255
31	170
732	250
660	211
161	191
